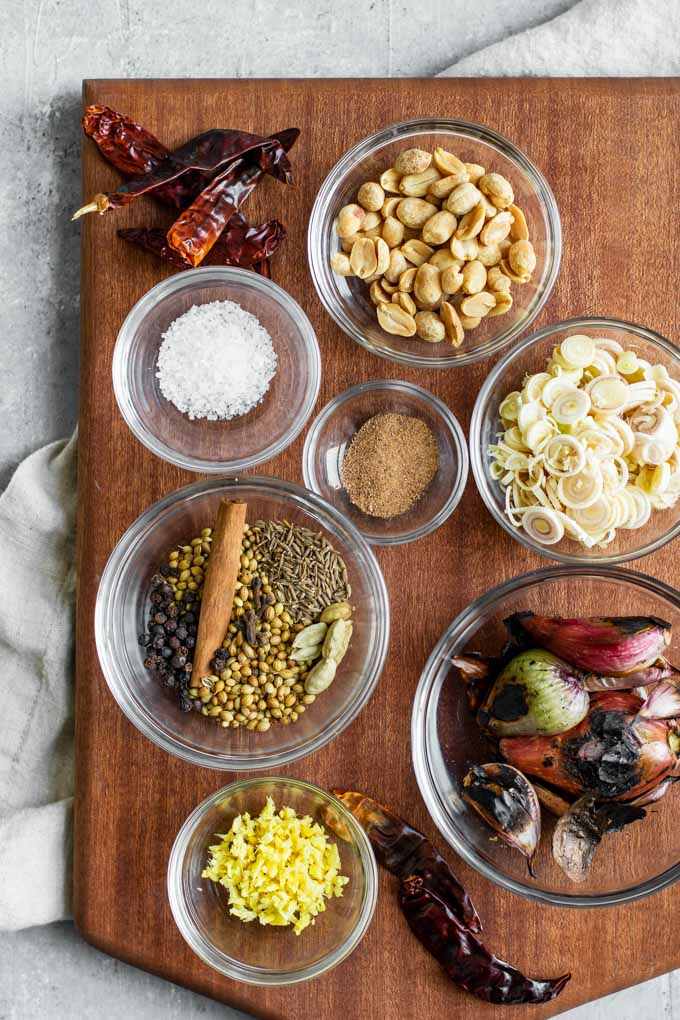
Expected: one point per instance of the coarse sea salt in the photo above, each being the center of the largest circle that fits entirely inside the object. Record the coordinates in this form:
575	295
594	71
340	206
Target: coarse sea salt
216	361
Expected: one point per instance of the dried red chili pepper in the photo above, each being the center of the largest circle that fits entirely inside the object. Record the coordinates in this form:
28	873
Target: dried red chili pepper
213	152
134	151
196	230
404	851
464	958
439	911
239	245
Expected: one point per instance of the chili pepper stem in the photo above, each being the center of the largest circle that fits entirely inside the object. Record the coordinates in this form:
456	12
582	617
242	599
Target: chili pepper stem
99	204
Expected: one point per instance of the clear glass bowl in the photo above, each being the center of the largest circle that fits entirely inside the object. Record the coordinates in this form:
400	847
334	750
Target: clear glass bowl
121	613
250	952
331	432
217	447
446	741
530	356
346	299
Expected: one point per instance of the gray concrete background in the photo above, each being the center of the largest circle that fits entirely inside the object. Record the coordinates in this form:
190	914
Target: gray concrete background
46	48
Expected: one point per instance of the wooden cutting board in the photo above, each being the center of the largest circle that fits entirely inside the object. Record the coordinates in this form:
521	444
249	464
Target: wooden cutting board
610	150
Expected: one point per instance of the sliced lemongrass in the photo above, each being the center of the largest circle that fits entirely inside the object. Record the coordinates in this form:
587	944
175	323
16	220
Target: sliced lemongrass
597	518
551	491
627	363
640	393
624	430
643	507
605	343
515	440
543	525
538	433
656	373
514	512
650	451
570	406
564	455
517	461
533	385
508	478
616	440
496	471
580	490
578	350
574	530
509	409
529	414
654	480
595	441
552	389
608	393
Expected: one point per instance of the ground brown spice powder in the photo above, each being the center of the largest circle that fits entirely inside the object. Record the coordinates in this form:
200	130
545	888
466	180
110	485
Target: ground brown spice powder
389	463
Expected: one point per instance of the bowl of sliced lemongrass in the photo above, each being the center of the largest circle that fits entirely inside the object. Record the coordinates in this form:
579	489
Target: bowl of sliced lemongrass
575	444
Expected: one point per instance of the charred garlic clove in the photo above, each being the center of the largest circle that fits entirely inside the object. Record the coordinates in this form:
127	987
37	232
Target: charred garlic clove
507	802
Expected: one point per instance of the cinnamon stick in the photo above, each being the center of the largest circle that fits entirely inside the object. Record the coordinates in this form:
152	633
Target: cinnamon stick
220	584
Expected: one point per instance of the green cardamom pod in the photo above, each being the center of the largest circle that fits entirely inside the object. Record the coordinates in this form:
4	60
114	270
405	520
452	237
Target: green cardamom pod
306	654
320	677
336	611
312	635
337	640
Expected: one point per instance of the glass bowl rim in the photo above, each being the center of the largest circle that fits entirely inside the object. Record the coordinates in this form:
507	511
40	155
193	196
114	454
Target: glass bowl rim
420	743
442	411
116	675
477	457
244	972
407	129
216	274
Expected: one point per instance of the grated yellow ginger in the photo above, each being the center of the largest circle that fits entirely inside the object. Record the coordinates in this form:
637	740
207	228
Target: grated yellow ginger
277	868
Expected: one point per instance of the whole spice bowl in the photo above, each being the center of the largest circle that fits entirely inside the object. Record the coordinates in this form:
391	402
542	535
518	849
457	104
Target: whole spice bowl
216	370
574	442
261	705
412	445
264	954
447	742
459	155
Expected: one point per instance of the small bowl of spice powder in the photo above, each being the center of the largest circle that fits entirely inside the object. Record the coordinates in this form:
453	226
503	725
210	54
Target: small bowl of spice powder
391	456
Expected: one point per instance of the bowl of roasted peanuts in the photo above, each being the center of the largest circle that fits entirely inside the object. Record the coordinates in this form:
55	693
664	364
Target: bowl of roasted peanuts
434	243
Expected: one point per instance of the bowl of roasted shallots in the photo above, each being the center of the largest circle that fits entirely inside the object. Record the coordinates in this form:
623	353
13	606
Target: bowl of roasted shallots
546	735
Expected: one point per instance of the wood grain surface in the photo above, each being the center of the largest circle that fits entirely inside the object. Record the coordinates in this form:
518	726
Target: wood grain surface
610	152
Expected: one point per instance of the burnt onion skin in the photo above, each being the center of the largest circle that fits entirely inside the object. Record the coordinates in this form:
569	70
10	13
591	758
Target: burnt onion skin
506	800
614	754
609	645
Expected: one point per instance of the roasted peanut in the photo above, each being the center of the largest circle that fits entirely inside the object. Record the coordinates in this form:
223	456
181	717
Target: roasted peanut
363	260
510	272
519	230
489	254
407	279
471	223
498	189
463	199
427	288
347	243
412	161
340	264
477	305
430	327
466	251
522	258
416	251
503	304
452	325
452	278
474	171
371	220
378	294
394	319
416	185
389	180
469	321
393	231
438	229
449	165
350	219
443	258
489	208
415	212
444	186
382	254
474	277
497	281
371	196
396	266
388	287
405	301
389	206
497	229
